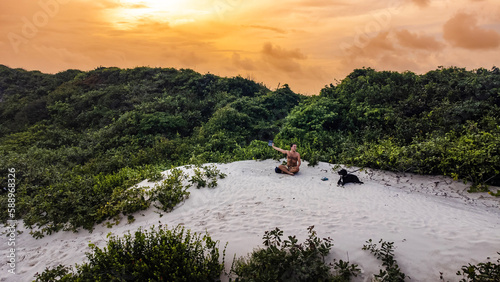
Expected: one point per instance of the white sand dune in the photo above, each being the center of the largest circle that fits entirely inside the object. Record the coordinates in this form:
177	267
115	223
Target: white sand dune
436	226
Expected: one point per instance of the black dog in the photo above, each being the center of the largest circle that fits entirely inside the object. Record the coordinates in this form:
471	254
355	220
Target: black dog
347	178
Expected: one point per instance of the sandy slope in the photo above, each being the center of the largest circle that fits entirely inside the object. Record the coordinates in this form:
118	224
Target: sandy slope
436	226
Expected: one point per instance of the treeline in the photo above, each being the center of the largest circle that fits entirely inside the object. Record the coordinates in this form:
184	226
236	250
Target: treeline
443	122
78	139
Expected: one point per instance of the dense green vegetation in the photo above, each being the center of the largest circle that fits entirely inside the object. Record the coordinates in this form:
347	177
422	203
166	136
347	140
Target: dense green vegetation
444	122
176	254
483	271
385	253
158	255
78	140
289	260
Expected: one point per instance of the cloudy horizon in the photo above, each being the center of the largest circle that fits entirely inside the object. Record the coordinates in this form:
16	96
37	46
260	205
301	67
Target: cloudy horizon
305	44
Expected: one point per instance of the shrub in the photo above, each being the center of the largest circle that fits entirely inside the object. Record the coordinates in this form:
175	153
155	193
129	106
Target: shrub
171	191
207	178
123	201
158	255
58	273
290	261
153	173
482	272
256	150
392	272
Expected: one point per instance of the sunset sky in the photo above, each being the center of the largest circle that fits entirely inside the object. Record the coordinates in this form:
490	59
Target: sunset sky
306	44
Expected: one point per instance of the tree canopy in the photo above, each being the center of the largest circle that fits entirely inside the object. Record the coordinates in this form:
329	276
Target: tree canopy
76	139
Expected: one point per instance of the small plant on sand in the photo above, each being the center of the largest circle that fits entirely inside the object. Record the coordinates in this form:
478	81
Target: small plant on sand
58	273
170	191
287	260
152	173
158	255
208	177
123	201
482	272
392	272
345	271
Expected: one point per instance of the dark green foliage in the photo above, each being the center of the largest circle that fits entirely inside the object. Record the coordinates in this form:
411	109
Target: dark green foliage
288	260
208	177
158	255
471	155
392	272
442	122
101	132
482	272
58	273
23	97
81	139
170	191
345	271
248	118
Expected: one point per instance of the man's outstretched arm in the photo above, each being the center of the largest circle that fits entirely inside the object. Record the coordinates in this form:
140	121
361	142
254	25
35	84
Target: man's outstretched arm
280	150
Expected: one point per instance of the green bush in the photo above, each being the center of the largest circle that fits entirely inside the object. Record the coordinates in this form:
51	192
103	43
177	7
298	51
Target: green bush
78	140
256	150
482	272
392	272
208	177
290	261
472	156
171	190
158	255
58	273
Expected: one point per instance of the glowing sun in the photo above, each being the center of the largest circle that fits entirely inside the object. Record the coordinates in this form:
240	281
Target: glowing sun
132	12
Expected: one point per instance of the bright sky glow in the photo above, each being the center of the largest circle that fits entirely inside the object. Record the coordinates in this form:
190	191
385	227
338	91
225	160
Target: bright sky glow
304	43
132	13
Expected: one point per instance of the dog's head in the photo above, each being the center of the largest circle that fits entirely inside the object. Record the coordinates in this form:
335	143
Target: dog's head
343	172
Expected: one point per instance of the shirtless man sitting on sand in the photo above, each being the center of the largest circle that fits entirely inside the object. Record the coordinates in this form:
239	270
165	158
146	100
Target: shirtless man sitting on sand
292	160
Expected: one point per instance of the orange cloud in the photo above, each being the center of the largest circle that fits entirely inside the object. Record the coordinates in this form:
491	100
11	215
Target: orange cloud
463	31
245	63
278	30
305	43
374	46
417	41
394	50
284	60
422	3
282	54
281	59
318	3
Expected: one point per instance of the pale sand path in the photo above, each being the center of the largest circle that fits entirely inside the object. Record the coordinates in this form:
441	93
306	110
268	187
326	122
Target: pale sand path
435	225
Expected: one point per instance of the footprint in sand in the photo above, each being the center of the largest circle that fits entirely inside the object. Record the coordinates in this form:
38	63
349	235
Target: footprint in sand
201	223
221	216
